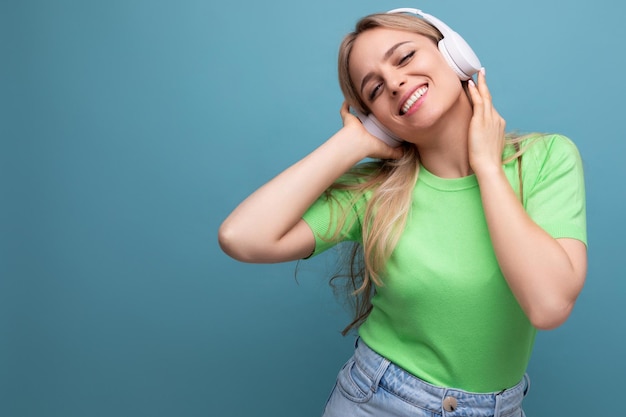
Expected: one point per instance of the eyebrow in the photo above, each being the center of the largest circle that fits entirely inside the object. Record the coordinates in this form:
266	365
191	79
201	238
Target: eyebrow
387	55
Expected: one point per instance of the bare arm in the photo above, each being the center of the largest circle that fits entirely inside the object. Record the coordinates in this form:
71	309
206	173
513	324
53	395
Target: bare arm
545	274
267	226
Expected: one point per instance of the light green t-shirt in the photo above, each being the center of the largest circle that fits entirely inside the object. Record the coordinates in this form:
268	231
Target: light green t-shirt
445	312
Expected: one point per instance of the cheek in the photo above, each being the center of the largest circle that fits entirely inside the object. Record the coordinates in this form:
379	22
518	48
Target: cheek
452	87
383	110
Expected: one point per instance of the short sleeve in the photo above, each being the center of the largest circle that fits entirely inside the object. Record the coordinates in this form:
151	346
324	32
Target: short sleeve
334	218
554	187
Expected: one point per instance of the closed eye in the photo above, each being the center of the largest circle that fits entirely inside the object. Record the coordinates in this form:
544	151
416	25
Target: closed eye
375	91
406	58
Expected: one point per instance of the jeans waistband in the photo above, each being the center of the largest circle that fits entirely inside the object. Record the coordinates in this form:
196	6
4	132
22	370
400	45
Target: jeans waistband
447	401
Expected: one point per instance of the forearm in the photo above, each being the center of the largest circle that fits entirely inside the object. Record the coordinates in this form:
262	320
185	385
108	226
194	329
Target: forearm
539	270
254	230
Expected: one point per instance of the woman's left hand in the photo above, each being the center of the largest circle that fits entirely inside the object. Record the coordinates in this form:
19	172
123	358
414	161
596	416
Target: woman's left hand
486	130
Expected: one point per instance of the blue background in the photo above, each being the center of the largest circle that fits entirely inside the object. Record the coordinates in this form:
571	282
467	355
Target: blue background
130	129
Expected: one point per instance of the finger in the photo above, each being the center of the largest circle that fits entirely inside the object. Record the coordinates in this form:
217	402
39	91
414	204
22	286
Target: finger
345	109
483	89
477	100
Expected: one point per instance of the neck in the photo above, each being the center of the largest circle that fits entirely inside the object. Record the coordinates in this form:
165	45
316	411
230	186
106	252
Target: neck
446	153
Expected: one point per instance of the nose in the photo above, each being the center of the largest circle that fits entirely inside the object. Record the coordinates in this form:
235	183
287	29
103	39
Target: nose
395	80
395	86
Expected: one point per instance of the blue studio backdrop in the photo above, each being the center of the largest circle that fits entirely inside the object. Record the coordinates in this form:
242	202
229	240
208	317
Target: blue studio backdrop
131	128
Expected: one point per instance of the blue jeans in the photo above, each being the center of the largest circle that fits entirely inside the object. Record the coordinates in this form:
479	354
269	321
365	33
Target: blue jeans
369	385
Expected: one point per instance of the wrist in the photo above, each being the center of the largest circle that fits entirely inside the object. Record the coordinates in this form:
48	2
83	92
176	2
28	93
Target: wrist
487	170
347	144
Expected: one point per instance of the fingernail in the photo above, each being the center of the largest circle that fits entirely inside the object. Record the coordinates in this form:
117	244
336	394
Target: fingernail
483	71
471	82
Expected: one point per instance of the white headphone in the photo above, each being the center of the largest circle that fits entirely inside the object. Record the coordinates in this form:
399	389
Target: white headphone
453	47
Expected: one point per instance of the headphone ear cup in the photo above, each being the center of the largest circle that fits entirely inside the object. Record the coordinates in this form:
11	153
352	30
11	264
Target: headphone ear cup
377	129
459	55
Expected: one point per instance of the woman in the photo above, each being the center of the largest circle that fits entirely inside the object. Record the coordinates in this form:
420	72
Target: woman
470	240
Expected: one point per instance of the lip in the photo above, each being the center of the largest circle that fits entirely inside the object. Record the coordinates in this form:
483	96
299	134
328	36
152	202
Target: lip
406	96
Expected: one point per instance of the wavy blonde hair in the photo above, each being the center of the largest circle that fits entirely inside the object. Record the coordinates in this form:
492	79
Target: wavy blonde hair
390	182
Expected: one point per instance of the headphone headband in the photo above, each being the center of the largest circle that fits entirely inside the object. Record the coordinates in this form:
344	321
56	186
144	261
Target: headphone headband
443	28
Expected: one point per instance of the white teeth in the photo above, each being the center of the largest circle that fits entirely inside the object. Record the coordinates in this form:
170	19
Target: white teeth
416	95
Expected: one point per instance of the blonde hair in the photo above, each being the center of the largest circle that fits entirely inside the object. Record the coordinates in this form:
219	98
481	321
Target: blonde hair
390	182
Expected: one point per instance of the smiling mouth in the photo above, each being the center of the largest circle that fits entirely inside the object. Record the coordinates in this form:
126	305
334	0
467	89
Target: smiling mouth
413	99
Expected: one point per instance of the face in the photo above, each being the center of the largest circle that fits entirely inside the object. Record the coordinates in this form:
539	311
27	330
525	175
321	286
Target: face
404	80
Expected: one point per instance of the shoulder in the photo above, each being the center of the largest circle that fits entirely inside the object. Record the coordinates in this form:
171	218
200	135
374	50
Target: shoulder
545	159
549	145
541	152
547	153
554	186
